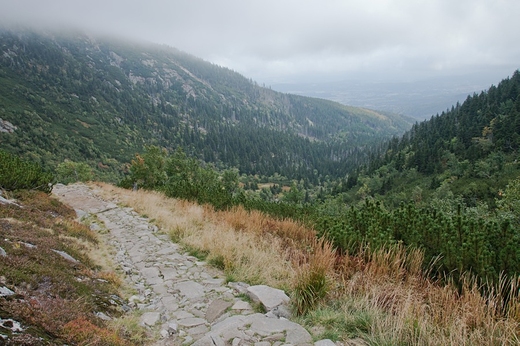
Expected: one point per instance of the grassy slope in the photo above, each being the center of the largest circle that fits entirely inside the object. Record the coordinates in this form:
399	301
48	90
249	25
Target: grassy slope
382	298
56	299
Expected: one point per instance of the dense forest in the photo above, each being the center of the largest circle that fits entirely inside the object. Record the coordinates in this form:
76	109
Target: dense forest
97	100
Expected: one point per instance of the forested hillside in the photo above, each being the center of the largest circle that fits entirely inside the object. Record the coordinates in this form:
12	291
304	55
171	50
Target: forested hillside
469	151
450	187
95	100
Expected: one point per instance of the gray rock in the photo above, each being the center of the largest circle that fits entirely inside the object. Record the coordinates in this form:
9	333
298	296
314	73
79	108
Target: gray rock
198	331
81	214
242	305
268	296
190	289
298	336
150	318
164	333
324	342
181	315
173	328
191	322
240	287
216	309
228	329
2	252
11	324
151	275
281	311
275	337
28	245
8	201
103	316
4	292
66	256
209	340
264	326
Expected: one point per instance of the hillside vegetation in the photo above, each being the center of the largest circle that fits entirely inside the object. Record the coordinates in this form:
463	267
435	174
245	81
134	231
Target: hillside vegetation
381	297
409	241
458	241
99	101
53	299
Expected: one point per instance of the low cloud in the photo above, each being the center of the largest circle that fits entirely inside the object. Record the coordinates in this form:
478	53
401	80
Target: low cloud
272	41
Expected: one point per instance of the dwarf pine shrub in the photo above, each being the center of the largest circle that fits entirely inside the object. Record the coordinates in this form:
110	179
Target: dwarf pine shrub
18	174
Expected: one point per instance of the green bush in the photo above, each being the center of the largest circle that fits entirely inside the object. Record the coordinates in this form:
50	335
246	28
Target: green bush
18	174
70	172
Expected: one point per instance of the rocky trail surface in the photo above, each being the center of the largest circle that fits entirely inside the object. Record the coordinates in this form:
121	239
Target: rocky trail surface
183	298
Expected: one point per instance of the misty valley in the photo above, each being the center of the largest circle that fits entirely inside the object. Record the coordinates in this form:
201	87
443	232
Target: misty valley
420	204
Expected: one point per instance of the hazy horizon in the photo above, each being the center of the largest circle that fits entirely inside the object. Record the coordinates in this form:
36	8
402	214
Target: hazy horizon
307	41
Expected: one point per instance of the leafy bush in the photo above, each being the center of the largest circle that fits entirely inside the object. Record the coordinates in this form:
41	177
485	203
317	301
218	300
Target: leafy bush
183	177
18	174
70	171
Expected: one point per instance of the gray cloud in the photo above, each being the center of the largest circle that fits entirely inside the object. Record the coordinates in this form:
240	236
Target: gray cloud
273	40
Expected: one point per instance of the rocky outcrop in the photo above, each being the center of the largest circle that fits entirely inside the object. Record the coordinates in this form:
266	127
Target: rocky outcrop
6	126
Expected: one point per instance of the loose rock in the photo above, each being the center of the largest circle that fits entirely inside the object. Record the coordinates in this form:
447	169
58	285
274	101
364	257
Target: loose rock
4	292
268	296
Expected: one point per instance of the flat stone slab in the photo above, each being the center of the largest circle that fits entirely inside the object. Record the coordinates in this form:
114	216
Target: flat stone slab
66	256
181	315
324	342
150	318
191	322
298	336
262	325
190	289
217	309
258	324
151	275
241	305
229	328
268	296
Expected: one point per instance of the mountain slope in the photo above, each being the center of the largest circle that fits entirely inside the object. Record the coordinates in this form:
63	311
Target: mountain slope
469	152
82	98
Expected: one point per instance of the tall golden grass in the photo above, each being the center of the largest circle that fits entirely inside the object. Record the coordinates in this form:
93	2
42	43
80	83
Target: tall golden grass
382	296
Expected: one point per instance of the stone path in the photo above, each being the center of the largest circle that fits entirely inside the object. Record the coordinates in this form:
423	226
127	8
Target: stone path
182	297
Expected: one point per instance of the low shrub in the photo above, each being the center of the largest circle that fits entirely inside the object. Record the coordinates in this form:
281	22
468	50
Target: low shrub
18	174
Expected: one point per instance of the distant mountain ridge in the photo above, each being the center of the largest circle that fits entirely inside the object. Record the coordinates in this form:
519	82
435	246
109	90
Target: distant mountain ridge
418	99
73	96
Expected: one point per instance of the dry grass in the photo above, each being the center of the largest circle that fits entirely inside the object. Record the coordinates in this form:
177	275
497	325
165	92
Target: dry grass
408	308
312	282
383	297
243	249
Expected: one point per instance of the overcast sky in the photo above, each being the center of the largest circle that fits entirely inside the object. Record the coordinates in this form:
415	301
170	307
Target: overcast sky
276	41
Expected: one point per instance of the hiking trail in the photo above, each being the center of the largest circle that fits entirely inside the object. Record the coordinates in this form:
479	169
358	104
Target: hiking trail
185	299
